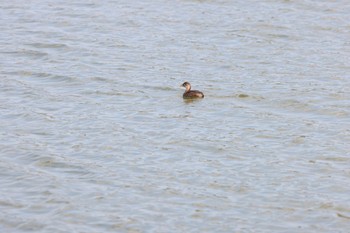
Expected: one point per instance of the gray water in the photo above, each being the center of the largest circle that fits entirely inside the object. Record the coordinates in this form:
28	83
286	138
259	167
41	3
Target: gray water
95	135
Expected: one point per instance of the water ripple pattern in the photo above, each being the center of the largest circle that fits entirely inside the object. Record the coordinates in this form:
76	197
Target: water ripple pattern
95	135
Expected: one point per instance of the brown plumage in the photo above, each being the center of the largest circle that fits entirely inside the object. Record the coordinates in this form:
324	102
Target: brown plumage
191	94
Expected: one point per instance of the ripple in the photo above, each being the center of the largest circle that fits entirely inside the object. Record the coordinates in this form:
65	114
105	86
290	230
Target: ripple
27	53
48	45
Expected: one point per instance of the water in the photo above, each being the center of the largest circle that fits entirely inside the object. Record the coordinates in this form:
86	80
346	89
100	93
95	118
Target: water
95	135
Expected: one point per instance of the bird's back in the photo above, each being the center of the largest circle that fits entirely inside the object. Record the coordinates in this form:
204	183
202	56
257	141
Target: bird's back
193	94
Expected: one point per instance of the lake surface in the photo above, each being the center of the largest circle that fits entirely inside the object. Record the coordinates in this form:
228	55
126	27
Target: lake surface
95	135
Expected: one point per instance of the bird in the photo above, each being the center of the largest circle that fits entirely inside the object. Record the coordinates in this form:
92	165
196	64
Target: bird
191	94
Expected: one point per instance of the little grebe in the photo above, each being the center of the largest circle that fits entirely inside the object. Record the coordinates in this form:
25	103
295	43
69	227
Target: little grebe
191	94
